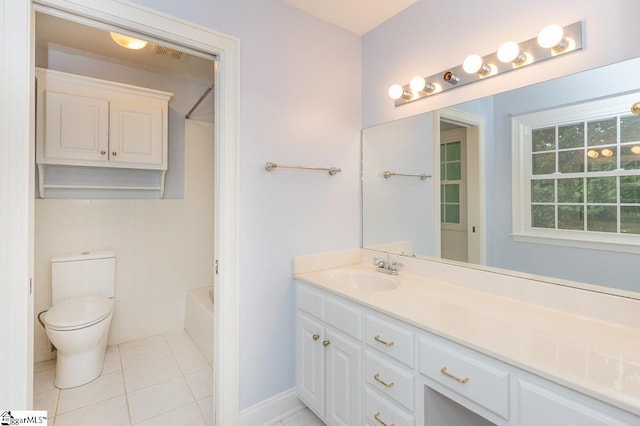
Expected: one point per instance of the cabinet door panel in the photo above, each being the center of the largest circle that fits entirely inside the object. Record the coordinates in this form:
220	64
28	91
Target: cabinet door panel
76	127
136	134
310	363
344	380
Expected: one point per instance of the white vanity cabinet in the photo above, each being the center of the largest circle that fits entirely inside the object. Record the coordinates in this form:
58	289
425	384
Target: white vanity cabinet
378	370
89	122
329	356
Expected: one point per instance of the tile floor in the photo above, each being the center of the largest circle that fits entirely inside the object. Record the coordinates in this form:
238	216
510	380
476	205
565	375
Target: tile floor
162	380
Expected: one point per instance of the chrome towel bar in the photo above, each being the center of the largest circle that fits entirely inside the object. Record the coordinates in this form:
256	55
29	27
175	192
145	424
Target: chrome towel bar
387	174
271	166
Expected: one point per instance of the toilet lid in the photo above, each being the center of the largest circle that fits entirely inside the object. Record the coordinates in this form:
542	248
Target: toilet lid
78	312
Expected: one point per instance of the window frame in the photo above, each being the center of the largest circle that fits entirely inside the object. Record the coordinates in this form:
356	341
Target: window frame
521	127
457	136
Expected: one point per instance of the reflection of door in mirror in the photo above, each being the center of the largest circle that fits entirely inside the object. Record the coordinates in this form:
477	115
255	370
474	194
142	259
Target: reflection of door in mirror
459	192
453	192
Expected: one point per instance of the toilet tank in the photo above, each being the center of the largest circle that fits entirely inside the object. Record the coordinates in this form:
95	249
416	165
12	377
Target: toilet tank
83	274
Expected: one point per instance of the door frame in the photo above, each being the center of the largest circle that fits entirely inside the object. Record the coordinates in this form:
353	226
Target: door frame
17	142
476	131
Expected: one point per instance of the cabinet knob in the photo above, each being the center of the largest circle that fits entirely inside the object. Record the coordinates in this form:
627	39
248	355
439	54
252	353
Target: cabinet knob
113	154
316	336
326	343
103	152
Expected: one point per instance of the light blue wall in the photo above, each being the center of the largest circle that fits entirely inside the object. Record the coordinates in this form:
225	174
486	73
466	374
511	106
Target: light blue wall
300	104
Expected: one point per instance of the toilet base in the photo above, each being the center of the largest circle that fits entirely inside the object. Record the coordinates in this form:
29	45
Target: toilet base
74	370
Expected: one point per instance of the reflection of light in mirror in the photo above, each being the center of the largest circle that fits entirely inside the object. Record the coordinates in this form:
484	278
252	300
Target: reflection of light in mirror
636	149
592	153
606	152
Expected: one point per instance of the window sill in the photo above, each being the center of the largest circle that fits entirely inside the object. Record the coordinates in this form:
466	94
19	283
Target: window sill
632	245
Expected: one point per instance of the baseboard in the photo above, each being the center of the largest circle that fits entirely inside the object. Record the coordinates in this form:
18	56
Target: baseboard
272	410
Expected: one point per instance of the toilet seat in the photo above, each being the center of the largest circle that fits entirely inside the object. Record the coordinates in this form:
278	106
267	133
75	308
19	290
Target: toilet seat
78	312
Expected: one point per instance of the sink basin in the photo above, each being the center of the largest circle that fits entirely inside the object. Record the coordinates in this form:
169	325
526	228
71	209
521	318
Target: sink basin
362	279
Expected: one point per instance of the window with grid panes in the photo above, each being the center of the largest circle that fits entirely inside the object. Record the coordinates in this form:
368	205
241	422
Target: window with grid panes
581	175
450	182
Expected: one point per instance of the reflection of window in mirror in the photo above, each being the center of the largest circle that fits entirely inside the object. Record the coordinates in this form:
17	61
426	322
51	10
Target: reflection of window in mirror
581	172
453	194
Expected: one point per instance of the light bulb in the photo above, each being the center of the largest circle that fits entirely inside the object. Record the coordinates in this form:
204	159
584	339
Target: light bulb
128	42
636	149
510	52
606	152
396	91
472	64
417	83
592	153
551	36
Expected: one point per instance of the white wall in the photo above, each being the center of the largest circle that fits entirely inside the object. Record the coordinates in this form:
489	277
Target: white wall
430	37
300	104
163	247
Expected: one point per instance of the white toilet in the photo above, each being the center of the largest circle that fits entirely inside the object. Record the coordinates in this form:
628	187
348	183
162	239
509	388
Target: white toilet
83	288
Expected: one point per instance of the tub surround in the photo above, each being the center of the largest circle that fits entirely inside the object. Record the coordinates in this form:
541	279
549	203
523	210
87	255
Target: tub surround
586	341
198	320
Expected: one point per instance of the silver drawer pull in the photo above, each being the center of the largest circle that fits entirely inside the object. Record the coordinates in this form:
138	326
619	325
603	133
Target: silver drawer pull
387	344
377	417
444	371
379	380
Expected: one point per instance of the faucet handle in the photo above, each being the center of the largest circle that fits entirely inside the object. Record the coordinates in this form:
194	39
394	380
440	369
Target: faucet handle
379	262
394	265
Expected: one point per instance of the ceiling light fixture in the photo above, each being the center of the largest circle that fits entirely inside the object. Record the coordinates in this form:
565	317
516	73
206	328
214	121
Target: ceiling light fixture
551	42
128	42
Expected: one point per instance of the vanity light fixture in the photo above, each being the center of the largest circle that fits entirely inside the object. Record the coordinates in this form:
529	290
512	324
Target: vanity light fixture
636	149
592	153
606	152
397	92
552	37
635	108
551	42
510	52
128	42
473	64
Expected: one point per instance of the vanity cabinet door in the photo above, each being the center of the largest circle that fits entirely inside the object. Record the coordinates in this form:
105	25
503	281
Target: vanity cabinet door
310	363
344	380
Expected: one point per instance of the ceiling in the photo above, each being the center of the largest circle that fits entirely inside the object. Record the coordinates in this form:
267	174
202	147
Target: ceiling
59	34
358	16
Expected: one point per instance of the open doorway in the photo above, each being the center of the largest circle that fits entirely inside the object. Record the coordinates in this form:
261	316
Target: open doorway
461	172
18	107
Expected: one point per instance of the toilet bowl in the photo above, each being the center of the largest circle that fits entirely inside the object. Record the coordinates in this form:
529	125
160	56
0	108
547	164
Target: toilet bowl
83	291
78	328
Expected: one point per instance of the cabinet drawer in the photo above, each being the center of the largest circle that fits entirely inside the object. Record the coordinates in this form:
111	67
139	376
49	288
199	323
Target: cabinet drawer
390	339
379	411
540	405
344	317
389	379
467	373
310	300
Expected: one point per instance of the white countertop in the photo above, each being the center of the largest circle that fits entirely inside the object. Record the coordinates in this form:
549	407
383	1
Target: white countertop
596	357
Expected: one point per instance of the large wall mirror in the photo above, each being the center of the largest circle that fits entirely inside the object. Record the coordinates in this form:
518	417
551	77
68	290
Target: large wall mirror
440	184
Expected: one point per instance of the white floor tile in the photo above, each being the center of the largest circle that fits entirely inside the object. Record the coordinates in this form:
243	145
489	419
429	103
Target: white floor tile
187	415
158	399
112	360
303	418
179	342
206	408
191	360
103	388
144	351
44	380
112	412
47	400
201	382
150	374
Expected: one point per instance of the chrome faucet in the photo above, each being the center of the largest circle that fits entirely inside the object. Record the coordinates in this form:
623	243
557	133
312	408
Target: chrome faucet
386	266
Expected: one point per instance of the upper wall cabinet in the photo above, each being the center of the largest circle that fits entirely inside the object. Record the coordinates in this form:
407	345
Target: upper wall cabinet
89	122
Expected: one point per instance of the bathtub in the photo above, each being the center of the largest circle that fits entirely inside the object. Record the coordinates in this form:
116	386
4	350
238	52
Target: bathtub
198	319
